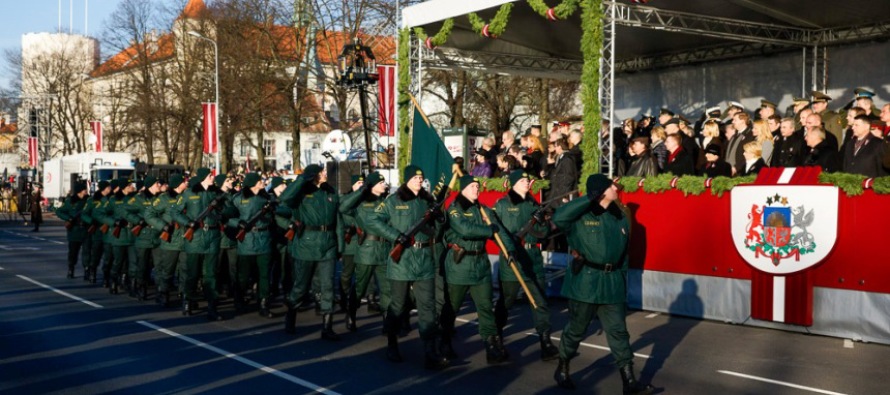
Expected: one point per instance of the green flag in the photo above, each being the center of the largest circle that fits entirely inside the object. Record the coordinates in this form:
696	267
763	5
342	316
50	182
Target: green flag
428	151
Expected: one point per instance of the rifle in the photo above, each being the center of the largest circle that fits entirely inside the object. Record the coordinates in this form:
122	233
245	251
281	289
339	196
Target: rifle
194	225
75	219
248	226
117	227
104	228
510	260
138	228
350	231
441	191
534	220
167	233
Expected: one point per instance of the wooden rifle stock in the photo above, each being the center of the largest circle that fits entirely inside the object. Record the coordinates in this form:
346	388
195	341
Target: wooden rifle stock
104	228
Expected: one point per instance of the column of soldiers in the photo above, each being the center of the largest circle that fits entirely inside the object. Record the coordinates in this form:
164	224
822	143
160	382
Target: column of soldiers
422	253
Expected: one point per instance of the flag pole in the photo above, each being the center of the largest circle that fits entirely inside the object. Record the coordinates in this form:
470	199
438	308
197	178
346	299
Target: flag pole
417	106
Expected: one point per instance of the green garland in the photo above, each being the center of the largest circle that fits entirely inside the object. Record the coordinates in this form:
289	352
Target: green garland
659	183
440	37
562	11
721	185
630	184
592	17
851	184
404	101
691	185
497	25
882	185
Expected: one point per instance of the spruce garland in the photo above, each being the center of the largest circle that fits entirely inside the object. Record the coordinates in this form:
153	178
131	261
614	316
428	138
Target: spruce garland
592	17
440	37
851	184
404	101
691	185
497	25
562	11
721	185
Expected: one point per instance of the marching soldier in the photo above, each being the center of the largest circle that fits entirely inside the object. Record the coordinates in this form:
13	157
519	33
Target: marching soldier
96	244
598	231
467	268
516	211
416	270
253	220
282	274
371	248
146	237
317	246
227	262
170	257
78	240
114	218
202	250
347	289
103	216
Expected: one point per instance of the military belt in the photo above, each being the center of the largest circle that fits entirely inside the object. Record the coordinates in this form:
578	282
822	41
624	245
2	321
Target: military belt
578	260
529	246
421	244
374	238
466	252
323	228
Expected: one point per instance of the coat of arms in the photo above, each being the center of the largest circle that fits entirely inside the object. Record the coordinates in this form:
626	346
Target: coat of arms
777	230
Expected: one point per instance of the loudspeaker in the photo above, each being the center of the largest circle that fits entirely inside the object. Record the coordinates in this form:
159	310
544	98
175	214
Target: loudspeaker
340	174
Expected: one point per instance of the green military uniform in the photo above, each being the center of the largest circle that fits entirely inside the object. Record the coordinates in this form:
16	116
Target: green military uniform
371	248
147	242
254	250
514	213
78	240
203	250
596	284
282	271
319	243
416	270
170	256
468	269
103	216
348	295
114	217
94	203
227	262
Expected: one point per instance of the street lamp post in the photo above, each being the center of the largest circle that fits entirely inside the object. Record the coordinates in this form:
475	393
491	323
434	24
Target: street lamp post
216	89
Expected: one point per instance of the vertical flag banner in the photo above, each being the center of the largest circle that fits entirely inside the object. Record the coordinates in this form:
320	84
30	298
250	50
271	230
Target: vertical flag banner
427	149
386	95
210	131
33	155
97	131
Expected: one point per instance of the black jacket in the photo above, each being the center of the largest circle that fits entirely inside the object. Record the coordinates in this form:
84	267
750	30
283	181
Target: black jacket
564	177
823	156
755	168
681	165
643	166
869	161
716	169
788	151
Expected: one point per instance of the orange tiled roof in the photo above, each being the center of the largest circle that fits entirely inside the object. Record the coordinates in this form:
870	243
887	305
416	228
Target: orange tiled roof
195	9
9	128
131	57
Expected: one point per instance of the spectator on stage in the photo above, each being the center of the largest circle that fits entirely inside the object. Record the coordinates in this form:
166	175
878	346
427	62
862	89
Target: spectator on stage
788	147
642	163
508	139
764	137
714	165
534	158
753	153
767	109
564	176
506	165
885	118
574	140
481	167
852	113
658	149
814	120
775	125
710	135
679	161
734	147
820	154
865	154
665	115
644	127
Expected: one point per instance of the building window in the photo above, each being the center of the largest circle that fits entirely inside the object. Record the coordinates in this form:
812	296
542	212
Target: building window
245	147
288	146
269	147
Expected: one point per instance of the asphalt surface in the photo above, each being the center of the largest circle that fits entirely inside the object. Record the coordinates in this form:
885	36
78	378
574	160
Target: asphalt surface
59	335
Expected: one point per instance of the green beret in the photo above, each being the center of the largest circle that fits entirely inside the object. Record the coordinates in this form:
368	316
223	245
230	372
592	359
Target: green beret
465	181
250	180
219	180
276	181
356	178
80	187
195	181
517	175
373	179
175	180
139	184
312	171
149	181
597	184
114	184
411	171
103	184
202	173
122	182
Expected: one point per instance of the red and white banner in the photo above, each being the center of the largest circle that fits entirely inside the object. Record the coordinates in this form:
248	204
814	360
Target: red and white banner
247	164
97	131
210	132
33	154
782	226
386	99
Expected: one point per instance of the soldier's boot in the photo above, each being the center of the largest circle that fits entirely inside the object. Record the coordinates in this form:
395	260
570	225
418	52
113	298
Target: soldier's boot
143	291
106	278
549	352
212	312
92	276
445	347
86	274
113	289
405	326
159	298
432	359
132	286
70	271
264	308
631	385
290	320
238	299
499	343
343	302
327	331
562	376
493	353
351	309
187	307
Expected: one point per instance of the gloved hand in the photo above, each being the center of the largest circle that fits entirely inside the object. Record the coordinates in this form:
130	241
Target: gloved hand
494	228
402	239
242	224
539	216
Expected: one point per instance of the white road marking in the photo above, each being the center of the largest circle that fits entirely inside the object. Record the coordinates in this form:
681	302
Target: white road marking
59	291
33	237
591	345
10	248
2	268
466	321
848	343
274	372
777	382
653	315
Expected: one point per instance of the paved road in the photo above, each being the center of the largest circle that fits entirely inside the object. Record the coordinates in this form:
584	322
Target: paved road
65	336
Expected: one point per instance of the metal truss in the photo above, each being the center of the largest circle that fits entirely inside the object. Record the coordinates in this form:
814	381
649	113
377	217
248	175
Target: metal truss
815	69
697	56
682	22
607	86
451	58
850	34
